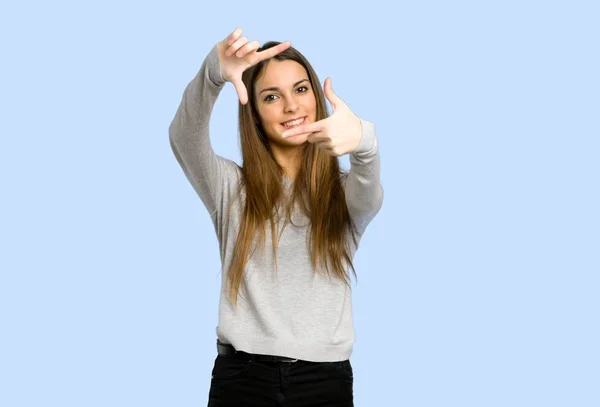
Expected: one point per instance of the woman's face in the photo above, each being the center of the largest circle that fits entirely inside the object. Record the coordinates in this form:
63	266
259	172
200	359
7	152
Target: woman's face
283	93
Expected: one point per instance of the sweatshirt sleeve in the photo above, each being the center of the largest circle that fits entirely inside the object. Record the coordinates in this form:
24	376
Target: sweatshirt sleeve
364	193
208	173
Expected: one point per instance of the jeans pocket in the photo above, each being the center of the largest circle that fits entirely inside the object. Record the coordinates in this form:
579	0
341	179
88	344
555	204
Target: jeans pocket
229	368
344	367
347	368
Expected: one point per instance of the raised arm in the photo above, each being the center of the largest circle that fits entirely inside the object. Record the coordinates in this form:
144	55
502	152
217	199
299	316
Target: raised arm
341	133
189	134
364	193
189	131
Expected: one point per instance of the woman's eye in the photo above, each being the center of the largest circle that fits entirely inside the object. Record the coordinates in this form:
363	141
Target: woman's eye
270	98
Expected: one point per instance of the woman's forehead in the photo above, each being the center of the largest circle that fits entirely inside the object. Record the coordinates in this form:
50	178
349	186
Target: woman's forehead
281	73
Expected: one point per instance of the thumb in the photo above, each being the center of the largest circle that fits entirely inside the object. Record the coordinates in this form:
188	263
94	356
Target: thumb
331	96
240	88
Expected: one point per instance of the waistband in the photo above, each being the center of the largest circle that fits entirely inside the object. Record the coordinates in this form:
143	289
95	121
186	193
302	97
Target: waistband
227	350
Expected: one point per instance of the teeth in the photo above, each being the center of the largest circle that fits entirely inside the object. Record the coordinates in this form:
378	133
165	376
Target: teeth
293	123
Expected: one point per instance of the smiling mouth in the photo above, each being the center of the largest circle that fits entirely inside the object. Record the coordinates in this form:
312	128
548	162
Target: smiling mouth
293	123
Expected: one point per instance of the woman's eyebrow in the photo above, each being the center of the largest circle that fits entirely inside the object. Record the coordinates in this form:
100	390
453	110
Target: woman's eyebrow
276	88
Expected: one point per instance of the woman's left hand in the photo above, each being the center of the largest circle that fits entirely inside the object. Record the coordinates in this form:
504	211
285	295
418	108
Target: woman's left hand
338	134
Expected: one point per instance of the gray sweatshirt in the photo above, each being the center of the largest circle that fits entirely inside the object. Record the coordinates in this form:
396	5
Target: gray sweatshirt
292	311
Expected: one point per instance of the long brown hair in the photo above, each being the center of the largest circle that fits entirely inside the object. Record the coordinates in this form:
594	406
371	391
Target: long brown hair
318	187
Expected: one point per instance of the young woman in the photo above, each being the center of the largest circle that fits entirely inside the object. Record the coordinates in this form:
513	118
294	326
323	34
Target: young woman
288	223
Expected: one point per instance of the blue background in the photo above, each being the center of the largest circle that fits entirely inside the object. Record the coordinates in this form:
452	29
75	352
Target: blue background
477	282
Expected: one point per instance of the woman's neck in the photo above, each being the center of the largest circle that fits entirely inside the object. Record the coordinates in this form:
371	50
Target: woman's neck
289	158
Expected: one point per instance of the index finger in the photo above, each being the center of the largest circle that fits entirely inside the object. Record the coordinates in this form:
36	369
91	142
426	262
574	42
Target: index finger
304	128
271	52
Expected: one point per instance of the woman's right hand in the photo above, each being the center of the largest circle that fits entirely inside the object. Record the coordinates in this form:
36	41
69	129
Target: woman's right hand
236	55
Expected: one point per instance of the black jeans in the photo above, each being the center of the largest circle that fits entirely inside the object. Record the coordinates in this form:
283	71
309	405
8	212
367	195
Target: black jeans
251	383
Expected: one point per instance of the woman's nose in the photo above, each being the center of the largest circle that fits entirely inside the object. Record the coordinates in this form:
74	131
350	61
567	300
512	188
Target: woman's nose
291	105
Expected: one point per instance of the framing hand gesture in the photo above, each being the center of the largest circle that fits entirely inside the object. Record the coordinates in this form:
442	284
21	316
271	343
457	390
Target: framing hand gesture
236	55
338	134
